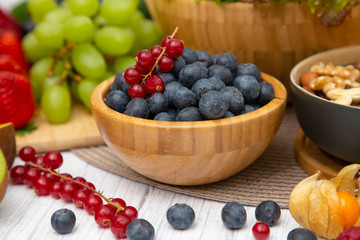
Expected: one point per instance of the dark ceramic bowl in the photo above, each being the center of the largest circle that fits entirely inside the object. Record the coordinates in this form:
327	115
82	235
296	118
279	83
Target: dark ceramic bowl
334	128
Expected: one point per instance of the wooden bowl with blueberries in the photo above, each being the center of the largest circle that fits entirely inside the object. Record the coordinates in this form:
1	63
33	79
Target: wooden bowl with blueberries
325	89
213	118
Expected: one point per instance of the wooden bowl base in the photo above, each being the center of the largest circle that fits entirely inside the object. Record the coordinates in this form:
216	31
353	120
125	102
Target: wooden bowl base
311	158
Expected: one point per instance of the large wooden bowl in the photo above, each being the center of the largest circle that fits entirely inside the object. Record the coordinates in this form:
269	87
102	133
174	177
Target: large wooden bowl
274	37
189	153
333	127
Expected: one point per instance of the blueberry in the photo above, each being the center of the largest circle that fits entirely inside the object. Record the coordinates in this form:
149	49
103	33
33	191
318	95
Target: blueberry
255	105
234	98
117	100
248	86
202	86
181	216
226	59
229	114
268	212
172	112
158	103
140	229
266	94
301	234
221	72
27	26
120	80
137	107
166	77
189	56
170	90
63	220
179	63
246	109
184	97
213	105
164	116
248	69
217	83
189	114
113	87
233	215
191	73
204	57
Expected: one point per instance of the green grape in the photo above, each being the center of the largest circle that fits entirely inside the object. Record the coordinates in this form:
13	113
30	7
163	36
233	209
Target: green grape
39	8
32	49
108	74
38	72
147	34
88	61
84	7
59	15
56	103
136	19
50	81
123	62
49	34
78	29
114	41
118	12
74	90
85	89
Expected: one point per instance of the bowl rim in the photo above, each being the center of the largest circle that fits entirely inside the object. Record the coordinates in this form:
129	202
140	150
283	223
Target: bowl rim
314	59
99	94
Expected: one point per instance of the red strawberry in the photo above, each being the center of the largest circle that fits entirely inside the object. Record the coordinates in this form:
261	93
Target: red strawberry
11	45
9	64
9	24
17	104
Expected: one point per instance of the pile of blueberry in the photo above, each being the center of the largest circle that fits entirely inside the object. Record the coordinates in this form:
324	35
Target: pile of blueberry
198	87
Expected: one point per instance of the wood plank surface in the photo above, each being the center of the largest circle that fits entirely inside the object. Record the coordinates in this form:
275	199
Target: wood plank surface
79	131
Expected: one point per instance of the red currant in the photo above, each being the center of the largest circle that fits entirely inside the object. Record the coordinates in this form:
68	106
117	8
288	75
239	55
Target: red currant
165	64
156	50
39	160
80	197
137	90
154	84
141	70
103	215
118	225
30	175
17	174
54	190
80	180
27	153
90	185
120	201
52	177
165	40
67	175
42	185
67	190
92	203
53	159
261	231
132	75
131	212
174	48
145	59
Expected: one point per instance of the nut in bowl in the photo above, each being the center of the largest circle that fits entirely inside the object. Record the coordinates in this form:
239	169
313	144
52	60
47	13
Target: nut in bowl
189	153
333	123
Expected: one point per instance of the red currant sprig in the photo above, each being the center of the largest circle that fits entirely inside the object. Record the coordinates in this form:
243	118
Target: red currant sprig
145	69
40	175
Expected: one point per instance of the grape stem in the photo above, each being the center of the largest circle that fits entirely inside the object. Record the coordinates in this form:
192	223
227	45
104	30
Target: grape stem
158	58
100	194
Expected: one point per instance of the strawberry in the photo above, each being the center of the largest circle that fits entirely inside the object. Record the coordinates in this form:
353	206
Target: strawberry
9	24
17	104
11	45
9	64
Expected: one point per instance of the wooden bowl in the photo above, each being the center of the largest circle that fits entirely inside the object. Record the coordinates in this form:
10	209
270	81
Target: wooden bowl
189	153
334	128
274	37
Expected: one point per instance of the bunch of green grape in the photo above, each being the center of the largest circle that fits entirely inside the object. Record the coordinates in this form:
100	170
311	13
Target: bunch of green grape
76	44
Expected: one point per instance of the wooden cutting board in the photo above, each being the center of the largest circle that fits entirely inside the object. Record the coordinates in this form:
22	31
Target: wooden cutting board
79	131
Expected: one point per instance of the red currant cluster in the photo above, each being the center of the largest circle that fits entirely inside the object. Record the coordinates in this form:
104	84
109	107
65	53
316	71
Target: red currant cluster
38	173
142	78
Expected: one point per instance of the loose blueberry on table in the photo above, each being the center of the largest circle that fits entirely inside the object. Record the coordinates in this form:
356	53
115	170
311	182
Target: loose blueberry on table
39	173
190	83
268	212
181	216
233	215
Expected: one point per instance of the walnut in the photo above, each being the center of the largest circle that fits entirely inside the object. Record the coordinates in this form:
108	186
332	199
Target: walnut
347	72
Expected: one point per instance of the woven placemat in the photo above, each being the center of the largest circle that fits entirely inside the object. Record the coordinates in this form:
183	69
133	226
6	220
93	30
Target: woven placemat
272	176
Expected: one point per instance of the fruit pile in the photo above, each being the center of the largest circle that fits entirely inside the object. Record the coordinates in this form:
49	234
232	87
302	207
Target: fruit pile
173	83
77	44
38	173
16	99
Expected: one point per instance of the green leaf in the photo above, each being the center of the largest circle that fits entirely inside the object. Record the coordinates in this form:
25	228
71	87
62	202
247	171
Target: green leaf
20	12
26	129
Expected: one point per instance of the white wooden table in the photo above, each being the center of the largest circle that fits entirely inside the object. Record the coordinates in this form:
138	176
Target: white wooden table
24	215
